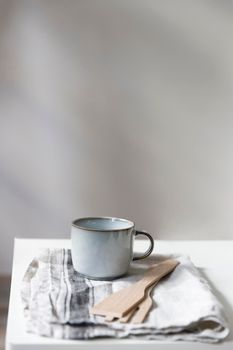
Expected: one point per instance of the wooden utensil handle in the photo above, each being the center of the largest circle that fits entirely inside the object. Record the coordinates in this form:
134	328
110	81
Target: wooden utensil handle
143	308
157	272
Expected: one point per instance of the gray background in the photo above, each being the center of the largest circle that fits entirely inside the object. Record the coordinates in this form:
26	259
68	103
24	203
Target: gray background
120	108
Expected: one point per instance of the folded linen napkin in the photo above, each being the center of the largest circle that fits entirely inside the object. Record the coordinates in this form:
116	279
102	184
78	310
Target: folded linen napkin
56	301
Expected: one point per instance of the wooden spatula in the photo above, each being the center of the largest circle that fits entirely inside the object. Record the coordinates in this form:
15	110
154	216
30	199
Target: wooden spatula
120	303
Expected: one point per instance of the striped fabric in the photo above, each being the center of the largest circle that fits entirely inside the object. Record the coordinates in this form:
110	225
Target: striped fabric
56	302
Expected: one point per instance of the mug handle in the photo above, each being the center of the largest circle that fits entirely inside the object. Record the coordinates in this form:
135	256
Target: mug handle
149	250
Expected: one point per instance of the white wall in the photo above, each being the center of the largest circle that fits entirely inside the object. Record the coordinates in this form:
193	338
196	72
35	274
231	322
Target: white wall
117	108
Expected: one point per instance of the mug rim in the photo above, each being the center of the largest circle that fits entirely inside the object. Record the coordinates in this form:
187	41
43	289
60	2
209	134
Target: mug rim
74	223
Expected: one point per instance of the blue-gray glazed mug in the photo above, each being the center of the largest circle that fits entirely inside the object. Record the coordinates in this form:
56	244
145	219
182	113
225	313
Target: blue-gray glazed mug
102	247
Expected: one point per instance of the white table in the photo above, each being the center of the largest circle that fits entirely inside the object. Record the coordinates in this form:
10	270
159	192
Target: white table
215	257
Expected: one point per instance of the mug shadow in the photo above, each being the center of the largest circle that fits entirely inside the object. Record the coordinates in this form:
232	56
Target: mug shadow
139	267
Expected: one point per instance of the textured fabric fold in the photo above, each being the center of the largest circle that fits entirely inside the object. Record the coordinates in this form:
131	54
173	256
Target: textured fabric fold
57	300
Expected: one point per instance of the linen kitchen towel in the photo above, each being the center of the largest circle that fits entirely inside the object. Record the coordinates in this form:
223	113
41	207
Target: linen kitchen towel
57	302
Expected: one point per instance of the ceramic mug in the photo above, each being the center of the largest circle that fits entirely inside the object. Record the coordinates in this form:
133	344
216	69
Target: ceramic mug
102	247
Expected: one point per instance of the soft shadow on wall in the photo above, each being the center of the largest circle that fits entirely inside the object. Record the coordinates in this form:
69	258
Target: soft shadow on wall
115	108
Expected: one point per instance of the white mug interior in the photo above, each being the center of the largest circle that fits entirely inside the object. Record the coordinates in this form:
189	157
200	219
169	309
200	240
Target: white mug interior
103	223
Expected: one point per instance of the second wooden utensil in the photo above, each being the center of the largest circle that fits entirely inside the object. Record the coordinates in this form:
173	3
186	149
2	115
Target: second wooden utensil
120	303
139	314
